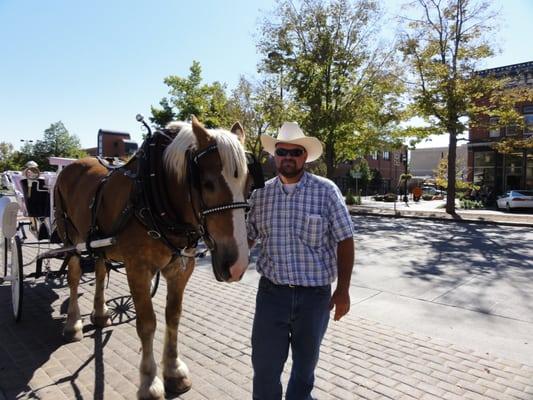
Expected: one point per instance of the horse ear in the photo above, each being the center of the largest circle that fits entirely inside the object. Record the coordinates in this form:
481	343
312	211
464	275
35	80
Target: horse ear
202	136
238	130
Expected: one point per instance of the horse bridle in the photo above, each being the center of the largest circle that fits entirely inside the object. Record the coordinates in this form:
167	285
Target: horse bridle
204	211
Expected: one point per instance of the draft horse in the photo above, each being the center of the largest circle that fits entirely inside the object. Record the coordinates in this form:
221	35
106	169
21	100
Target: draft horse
185	183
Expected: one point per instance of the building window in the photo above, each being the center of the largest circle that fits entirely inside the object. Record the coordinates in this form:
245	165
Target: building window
512	130
484	168
528	120
386	155
494	129
374	155
513	170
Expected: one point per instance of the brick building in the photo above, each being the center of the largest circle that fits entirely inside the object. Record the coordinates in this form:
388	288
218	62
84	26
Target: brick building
390	164
495	172
113	144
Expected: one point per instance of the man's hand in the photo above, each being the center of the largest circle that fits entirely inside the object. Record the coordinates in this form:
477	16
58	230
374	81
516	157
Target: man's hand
341	302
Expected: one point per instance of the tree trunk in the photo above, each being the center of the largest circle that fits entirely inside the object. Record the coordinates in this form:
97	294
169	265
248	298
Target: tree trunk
452	152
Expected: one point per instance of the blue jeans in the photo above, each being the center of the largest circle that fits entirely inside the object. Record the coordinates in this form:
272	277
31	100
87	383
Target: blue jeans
287	316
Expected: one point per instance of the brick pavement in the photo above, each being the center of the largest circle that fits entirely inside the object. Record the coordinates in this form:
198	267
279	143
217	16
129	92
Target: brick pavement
361	359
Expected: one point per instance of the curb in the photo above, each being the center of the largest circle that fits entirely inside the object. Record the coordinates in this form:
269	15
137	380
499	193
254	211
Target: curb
435	216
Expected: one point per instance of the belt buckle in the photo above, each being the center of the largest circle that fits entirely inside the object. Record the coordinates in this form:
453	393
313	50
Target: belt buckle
291	286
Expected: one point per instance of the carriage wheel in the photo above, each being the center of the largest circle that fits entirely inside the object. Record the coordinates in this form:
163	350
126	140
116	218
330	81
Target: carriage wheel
15	272
154	283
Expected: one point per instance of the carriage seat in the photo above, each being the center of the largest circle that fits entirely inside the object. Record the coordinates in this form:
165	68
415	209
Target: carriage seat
37	201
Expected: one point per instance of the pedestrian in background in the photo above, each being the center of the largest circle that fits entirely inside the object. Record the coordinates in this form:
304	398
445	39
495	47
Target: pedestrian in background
305	234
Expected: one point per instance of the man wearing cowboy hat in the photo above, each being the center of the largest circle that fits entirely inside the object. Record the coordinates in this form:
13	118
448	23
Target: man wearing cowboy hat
305	234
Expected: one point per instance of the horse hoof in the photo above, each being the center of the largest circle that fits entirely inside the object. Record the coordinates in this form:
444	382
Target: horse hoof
74	335
177	386
101	322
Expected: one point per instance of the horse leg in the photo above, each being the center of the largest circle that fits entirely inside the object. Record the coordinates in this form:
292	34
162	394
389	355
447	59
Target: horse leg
72	332
175	371
100	316
151	387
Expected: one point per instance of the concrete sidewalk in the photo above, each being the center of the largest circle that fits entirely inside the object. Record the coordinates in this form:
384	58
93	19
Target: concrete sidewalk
361	358
434	209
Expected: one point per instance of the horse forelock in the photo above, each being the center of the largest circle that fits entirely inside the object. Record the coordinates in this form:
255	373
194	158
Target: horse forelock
232	155
229	148
175	156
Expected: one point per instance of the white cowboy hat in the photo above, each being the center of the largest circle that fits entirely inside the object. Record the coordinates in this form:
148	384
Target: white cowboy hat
291	133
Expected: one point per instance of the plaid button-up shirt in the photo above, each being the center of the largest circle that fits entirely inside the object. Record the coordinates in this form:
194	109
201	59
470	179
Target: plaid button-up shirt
298	232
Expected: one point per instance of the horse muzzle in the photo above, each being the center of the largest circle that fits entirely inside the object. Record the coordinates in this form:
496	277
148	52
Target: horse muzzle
228	264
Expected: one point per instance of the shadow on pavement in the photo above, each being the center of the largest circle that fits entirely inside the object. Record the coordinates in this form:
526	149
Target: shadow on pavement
492	258
26	346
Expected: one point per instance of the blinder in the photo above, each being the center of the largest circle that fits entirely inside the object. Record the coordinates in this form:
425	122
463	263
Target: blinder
255	169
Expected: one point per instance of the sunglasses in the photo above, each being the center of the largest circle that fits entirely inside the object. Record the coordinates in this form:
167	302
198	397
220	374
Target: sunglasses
289	152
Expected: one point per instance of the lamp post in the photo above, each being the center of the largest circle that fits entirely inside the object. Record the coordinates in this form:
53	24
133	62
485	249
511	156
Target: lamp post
404	159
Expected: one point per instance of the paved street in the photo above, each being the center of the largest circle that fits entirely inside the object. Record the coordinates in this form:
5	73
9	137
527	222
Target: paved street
468	283
441	310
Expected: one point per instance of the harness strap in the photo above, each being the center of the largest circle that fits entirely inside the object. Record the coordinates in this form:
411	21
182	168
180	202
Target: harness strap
151	204
225	207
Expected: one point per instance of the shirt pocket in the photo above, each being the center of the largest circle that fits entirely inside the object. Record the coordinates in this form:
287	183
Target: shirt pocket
314	230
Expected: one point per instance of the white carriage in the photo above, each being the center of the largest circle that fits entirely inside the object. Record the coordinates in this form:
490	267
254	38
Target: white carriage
30	204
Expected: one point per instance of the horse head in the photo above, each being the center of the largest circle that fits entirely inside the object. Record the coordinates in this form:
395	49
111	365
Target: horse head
211	166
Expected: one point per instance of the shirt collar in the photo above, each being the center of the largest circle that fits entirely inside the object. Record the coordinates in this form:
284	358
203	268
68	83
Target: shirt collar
301	183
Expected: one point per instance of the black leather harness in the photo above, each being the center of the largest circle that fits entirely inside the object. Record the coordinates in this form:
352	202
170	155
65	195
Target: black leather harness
149	201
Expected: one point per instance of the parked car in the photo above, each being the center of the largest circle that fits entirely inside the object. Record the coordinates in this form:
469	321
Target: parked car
515	199
431	190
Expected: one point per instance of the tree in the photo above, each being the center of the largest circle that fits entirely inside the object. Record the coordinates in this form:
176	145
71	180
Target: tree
441	176
189	96
9	159
443	47
57	142
260	109
342	80
361	175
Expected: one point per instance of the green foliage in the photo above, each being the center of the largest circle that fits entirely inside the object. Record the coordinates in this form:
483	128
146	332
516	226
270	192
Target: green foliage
346	86
317	167
350	198
57	142
443	43
512	145
441	177
365	173
470	204
162	116
9	158
188	96
259	108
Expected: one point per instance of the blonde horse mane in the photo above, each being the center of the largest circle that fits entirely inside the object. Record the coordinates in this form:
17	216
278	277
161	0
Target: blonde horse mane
229	148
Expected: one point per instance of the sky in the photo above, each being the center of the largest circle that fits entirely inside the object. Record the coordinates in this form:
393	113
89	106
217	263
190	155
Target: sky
95	65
